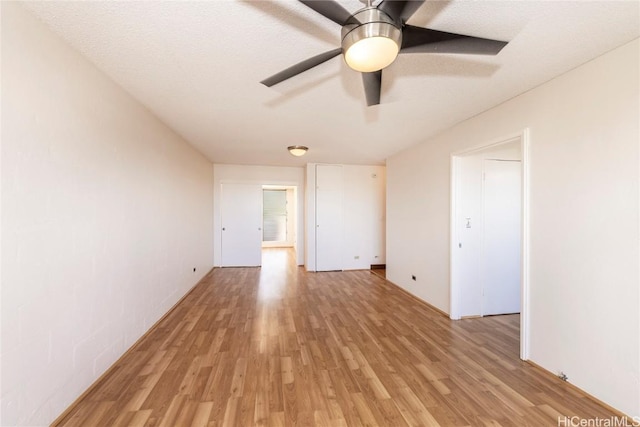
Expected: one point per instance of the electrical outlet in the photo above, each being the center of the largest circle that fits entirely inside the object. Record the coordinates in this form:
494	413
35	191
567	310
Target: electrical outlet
356	257
413	277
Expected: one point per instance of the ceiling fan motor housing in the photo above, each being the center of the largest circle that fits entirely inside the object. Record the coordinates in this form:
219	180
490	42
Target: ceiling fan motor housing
371	25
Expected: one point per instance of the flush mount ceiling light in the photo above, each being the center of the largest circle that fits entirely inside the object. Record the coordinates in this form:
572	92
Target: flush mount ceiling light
371	42
297	150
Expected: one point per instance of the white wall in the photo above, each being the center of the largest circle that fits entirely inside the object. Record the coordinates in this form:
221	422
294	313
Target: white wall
105	213
263	175
585	208
364	217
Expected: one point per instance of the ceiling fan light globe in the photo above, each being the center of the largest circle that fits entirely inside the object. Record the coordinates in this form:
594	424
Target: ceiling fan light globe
371	54
371	40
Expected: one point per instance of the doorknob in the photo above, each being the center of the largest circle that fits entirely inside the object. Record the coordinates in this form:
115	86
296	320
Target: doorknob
259	228
223	228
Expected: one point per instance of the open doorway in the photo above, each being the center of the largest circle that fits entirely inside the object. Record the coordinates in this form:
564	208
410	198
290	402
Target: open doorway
489	239
278	216
279	212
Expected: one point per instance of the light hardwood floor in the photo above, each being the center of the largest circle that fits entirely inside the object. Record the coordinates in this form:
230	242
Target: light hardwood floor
279	346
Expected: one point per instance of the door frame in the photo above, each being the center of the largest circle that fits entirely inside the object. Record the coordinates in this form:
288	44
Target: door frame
454	293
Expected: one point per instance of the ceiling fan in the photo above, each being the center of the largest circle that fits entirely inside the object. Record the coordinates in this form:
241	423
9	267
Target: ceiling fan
373	36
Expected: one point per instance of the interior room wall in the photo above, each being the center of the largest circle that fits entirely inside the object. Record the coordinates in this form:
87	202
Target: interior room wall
364	217
105	215
584	220
263	175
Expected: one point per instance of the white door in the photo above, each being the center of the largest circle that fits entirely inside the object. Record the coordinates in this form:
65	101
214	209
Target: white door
328	217
241	215
500	264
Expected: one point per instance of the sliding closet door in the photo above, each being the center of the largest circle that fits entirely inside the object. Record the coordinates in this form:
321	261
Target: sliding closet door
329	231
241	214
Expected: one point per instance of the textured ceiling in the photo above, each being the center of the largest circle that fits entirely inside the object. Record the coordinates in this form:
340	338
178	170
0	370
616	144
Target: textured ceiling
197	66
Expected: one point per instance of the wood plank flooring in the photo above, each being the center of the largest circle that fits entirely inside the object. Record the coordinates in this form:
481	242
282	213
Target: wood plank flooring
276	346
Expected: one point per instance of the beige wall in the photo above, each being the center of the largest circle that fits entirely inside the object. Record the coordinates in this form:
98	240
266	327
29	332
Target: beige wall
105	214
584	252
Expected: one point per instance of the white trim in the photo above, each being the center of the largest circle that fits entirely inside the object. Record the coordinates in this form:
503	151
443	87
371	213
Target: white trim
526	240
454	312
495	143
315	217
524	138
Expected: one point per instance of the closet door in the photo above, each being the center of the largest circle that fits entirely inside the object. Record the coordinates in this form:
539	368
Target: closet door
500	261
329	217
241	214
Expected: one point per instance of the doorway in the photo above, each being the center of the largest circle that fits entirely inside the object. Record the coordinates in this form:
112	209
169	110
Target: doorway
278	216
489	232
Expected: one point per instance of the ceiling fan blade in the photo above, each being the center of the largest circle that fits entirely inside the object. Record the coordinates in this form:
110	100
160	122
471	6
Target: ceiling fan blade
329	9
424	40
300	67
372	83
400	10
